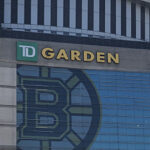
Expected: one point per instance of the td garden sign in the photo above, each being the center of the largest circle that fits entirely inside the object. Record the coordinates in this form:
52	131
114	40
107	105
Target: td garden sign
76	55
27	51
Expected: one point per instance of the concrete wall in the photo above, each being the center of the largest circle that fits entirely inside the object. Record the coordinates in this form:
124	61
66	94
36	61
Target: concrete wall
136	60
130	59
7	108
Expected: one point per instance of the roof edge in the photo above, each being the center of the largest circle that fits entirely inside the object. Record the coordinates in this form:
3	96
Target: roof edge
143	2
73	39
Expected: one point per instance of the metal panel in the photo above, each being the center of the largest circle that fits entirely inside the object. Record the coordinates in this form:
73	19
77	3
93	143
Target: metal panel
34	9
84	14
128	18
21	12
138	21
7	11
60	13
107	16
47	12
147	24
72	14
118	17
96	15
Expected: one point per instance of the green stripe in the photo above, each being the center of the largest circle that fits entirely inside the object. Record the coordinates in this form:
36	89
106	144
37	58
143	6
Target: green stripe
19	107
74	138
81	110
44	72
72	82
45	145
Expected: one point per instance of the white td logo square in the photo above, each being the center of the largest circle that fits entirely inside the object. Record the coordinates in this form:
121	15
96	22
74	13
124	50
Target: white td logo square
27	51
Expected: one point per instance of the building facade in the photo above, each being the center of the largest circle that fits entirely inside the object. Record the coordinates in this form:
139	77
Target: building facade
74	75
118	19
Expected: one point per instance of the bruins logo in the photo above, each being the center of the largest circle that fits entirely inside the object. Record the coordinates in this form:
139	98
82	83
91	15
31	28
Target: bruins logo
56	109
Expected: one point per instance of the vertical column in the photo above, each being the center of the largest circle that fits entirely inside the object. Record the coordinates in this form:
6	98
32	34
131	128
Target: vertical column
138	21
84	14
54	12
118	17
107	16
102	16
27	13
128	19
147	21
7	107
40	12
123	17
149	24
90	14
142	22
14	11
113	16
21	11
7	11
34	12
133	20
72	20
1	11
47	12
66	13
96	15
78	14
60	13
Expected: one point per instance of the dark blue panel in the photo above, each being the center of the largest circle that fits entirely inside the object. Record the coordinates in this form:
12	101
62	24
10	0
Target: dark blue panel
14	11
113	16
47	112
1	11
133	20
142	22
102	15
41	12
27	14
70	119
90	14
78	14
123	17
66	13
54	12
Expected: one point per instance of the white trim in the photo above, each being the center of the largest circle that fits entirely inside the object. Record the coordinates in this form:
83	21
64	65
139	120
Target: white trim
118	17
7	11
47	12
84	14
138	21
107	16
128	18
96	15
61	30
34	11
60	13
20	19
72	14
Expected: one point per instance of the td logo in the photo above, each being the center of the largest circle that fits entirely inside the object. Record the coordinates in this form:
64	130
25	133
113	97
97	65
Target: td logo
27	51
